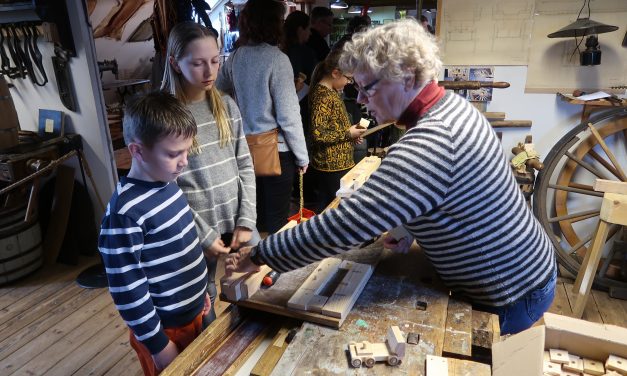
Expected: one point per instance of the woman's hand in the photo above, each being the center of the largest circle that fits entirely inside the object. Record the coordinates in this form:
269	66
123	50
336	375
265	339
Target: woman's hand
240	262
241	235
163	358
217	248
302	169
356	131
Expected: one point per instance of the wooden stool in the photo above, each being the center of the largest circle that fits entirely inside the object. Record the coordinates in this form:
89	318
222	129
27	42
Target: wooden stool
613	211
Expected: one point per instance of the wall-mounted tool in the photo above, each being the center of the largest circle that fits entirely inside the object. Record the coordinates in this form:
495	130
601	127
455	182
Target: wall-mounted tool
62	71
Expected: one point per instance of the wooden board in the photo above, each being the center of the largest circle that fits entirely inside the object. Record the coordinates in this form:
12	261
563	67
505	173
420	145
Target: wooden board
457	336
275	298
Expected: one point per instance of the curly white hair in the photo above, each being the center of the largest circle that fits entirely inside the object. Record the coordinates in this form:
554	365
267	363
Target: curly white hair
393	51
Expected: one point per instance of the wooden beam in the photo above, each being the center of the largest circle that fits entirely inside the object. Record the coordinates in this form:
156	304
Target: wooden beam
610	186
458	329
511	123
197	352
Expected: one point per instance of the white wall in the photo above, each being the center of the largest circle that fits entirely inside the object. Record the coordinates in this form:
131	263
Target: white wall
552	118
89	120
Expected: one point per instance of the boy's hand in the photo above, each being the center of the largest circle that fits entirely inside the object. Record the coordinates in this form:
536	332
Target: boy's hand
207	307
241	235
217	248
165	356
239	262
399	246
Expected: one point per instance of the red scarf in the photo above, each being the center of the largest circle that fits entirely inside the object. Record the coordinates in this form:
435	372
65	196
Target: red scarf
429	96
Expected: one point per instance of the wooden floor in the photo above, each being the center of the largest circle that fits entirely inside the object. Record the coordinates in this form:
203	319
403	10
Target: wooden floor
49	325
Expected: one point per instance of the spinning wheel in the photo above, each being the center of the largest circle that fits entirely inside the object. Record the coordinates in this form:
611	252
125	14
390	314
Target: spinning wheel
566	204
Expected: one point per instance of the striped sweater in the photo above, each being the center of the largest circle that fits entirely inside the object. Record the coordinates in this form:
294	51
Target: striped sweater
156	270
220	181
448	182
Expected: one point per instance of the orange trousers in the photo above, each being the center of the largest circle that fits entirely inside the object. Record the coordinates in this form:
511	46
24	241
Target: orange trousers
182	336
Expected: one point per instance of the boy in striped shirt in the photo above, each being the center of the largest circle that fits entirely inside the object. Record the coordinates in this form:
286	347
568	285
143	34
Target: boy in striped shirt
148	241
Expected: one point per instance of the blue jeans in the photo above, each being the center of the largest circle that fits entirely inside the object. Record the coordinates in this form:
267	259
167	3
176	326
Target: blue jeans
522	314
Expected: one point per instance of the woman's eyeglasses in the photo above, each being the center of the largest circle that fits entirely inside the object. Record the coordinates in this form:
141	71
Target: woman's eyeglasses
351	80
367	90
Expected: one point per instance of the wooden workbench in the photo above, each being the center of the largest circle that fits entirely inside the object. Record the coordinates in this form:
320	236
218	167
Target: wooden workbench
446	326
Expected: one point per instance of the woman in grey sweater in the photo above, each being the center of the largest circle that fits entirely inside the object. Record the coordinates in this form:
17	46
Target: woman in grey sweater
260	78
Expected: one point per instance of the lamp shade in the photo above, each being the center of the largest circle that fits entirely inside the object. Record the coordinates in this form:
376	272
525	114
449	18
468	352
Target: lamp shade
582	27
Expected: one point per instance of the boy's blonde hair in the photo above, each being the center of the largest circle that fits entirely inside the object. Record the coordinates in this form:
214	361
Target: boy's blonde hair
149	118
180	37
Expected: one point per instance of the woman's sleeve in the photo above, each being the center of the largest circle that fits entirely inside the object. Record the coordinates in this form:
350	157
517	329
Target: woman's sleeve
287	109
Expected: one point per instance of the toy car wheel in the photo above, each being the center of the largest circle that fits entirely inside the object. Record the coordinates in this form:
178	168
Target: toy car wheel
370	362
356	363
394	361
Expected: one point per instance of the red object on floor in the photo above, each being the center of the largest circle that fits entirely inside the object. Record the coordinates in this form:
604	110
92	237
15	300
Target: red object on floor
306	214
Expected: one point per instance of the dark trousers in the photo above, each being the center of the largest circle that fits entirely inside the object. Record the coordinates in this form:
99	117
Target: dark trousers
327	184
273	195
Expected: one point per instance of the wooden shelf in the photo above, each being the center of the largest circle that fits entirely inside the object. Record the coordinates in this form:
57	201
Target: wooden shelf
598	102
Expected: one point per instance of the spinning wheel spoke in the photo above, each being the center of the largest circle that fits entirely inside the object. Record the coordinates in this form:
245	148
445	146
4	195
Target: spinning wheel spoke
565	202
576	217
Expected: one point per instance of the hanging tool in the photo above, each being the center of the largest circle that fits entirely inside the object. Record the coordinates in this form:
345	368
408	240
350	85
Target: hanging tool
63	74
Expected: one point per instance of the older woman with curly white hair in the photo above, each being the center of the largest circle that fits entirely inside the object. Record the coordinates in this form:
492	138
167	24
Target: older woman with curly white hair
446	181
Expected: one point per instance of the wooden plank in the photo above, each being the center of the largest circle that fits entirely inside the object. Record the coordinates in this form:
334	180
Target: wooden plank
25	346
72	343
196	353
590	312
108	357
64	186
243	356
275	298
240	339
612	311
458	331
60	319
494	115
462	367
128	365
275	350
314	283
511	123
610	186
485	329
38	311
560	305
614	208
340	303
437	366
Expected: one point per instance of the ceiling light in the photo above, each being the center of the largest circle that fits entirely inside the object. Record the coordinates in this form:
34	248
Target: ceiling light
354	9
339	4
585	27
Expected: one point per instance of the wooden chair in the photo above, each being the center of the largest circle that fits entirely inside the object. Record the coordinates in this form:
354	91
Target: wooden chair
613	211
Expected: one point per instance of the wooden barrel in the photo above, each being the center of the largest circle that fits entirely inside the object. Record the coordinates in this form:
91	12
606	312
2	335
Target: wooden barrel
20	246
9	123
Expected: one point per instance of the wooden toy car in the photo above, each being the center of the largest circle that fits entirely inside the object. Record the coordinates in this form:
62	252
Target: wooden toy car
392	351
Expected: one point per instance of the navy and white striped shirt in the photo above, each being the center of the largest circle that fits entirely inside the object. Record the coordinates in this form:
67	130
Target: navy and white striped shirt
156	270
448	182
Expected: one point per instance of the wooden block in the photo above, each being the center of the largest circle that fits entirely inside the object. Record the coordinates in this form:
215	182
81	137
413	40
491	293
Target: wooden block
339	305
252	283
396	341
494	115
461	367
458	330
614	208
437	366
559	356
569	373
575	364
553	369
316	281
546	357
316	303
356	177
610	186
616	363
593	367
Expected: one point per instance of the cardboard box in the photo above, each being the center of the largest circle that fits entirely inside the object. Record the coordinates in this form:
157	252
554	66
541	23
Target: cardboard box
522	353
